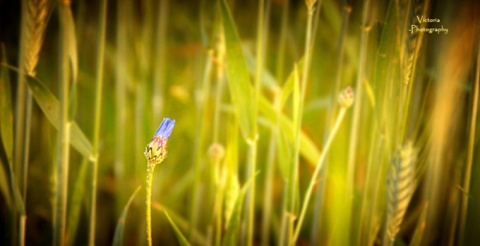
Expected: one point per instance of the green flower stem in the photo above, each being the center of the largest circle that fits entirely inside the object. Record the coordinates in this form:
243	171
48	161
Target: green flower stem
148	201
219	204
308	194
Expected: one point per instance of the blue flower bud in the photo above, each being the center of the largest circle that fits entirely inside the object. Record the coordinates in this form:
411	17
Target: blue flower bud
156	150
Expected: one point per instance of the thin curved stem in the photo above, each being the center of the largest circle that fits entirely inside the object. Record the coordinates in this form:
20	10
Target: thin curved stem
308	194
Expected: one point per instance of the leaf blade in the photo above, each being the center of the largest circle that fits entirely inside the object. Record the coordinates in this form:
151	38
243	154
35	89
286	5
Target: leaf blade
181	238
6	129
50	107
118	236
238	76
307	148
6	114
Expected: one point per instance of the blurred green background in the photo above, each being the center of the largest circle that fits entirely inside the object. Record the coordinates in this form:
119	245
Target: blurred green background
157	59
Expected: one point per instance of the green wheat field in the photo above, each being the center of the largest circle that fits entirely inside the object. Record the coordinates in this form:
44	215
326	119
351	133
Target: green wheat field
295	122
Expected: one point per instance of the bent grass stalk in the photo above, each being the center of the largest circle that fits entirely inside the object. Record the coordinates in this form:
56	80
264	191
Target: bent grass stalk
345	100
155	153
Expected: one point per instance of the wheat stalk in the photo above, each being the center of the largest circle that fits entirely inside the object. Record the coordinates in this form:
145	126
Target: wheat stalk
413	42
400	187
35	14
34	19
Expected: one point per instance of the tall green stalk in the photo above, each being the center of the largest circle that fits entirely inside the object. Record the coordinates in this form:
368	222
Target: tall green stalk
159	74
219	77
121	78
269	176
252	143
97	120
199	142
470	152
63	142
216	153
33	24
352	146
293	180
282	41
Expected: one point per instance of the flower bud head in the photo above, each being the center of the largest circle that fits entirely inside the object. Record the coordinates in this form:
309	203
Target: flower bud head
216	152
156	150
346	97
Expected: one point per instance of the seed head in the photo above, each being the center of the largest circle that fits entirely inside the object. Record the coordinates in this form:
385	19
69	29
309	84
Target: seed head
311	4
346	97
216	152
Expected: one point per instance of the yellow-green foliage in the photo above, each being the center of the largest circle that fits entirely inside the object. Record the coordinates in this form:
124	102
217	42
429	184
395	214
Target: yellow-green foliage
84	84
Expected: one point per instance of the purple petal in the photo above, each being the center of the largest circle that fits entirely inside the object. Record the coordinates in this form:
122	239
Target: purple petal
165	128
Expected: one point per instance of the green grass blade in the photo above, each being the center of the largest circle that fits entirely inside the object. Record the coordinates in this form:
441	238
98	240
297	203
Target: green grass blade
235	219
51	108
387	79
472	222
17	197
307	147
197	237
241	91
234	222
470	151
420	227
71	41
76	203
118	237
232	187
4	186
267	78
97	119
181	238
70	48
284	155
6	113
6	130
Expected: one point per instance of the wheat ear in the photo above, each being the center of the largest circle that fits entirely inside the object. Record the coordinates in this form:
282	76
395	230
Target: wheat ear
35	23
400	186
